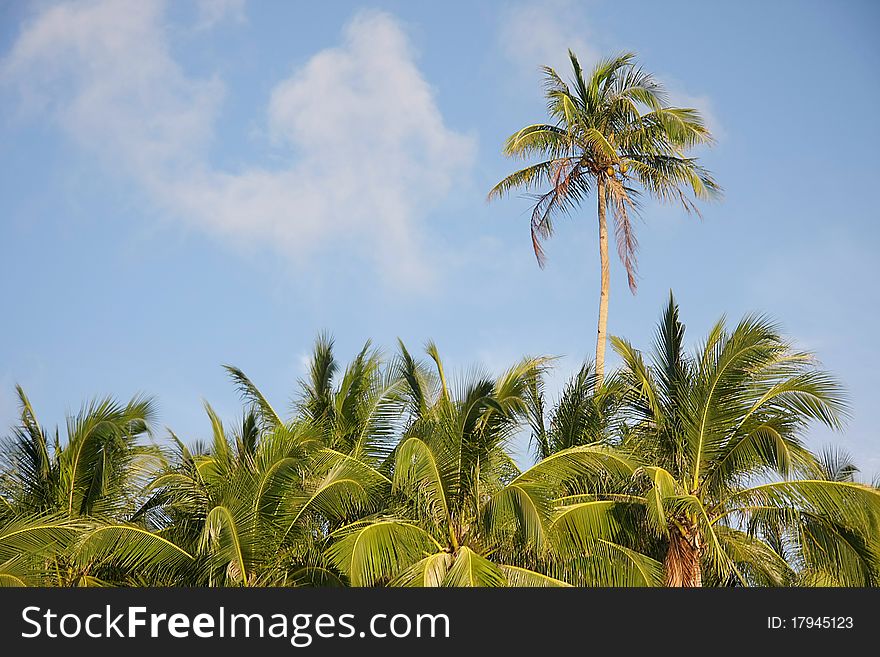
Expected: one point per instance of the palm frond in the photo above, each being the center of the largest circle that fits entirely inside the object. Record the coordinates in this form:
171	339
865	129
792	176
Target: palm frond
373	552
471	569
251	394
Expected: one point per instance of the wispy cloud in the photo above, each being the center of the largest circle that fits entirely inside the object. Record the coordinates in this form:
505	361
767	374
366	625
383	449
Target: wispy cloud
535	33
103	72
212	12
539	33
369	148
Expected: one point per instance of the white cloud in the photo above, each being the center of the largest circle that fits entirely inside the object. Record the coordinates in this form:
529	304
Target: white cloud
102	70
536	34
212	12
368	146
540	32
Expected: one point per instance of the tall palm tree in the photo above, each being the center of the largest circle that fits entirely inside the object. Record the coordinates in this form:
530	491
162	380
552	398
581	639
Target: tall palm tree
613	134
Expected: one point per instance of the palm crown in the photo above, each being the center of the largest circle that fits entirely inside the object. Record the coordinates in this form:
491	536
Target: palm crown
462	513
723	487
68	506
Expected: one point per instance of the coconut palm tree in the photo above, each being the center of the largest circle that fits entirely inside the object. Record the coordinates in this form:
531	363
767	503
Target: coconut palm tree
685	469
721	489
256	505
98	471
726	486
68	506
253	510
826	551
613	134
361	415
462	513
586	412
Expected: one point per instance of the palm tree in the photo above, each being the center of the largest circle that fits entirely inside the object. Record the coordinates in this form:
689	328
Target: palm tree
721	488
98	471
362	415
727	488
462	513
686	469
68	506
611	133
847	559
586	412
257	504
253	510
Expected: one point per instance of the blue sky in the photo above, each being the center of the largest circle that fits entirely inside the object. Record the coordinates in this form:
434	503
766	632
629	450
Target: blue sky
195	183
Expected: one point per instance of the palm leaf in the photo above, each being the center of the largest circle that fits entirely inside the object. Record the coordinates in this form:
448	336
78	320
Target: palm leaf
372	552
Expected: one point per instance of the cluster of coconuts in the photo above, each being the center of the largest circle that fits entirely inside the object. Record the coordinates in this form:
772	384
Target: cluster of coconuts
622	166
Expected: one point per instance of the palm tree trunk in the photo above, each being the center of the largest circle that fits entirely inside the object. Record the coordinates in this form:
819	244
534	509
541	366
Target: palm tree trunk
603	291
682	563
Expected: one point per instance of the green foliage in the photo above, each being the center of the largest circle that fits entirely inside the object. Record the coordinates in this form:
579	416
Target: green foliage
610	130
680	468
